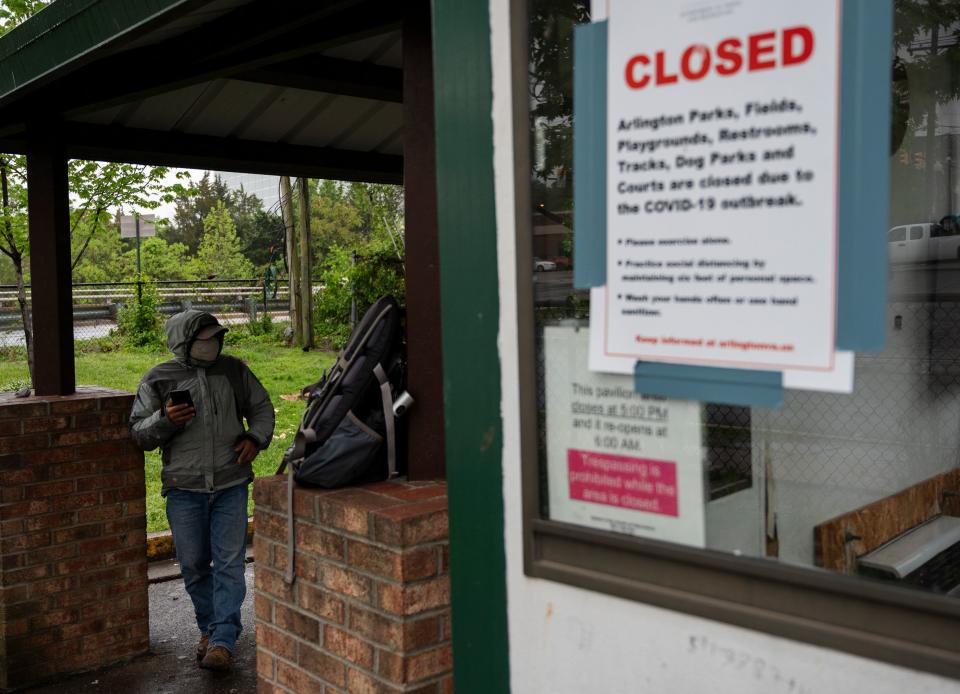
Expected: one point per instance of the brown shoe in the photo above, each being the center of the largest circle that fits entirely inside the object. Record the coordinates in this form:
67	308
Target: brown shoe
217	658
202	646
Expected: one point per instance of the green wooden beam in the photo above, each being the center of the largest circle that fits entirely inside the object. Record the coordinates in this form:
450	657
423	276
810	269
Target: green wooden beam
72	32
471	368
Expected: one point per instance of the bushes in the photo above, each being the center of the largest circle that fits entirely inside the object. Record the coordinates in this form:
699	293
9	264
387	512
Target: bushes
15	385
376	272
13	353
139	321
262	331
108	343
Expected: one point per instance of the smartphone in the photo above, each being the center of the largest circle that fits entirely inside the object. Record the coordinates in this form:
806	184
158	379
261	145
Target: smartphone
181	397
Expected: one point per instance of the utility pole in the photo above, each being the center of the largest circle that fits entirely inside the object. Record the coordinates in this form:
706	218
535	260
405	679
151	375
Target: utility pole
930	139
136	219
136	226
293	262
306	290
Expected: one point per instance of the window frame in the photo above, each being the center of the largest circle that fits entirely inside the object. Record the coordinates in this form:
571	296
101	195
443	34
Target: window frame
892	624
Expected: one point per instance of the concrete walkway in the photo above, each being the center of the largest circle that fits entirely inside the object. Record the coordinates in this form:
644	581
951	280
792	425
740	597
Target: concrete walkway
171	666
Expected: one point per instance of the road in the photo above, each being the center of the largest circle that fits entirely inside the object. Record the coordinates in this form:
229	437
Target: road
552	288
907	282
923	281
88	330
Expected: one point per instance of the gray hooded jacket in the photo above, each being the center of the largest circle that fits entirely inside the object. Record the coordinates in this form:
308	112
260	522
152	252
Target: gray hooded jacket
199	456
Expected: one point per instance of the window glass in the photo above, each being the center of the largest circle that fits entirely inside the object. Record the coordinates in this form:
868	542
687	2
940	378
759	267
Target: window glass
832	482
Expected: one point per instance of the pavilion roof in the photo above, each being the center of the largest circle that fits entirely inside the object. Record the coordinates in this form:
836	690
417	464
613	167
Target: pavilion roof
298	88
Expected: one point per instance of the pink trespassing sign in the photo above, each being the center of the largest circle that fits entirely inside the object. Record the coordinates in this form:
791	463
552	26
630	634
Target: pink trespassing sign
640	484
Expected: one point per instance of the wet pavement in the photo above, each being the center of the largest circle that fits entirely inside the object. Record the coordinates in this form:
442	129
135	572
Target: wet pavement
171	666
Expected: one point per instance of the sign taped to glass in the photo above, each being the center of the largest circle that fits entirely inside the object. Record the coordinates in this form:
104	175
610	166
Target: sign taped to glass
722	153
618	460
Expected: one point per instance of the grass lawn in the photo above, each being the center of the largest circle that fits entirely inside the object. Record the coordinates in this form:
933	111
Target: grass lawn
282	370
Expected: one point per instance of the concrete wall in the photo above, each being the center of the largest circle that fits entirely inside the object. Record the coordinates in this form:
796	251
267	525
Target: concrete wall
565	639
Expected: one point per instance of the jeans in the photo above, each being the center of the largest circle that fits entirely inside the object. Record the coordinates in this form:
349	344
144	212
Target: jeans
210	533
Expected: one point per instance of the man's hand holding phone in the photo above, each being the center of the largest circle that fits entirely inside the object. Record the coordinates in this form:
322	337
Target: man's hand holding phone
179	407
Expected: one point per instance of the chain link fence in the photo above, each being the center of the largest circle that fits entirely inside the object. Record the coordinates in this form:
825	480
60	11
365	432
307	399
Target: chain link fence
824	454
96	306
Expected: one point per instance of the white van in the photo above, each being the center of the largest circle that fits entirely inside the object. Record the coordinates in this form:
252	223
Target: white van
918	243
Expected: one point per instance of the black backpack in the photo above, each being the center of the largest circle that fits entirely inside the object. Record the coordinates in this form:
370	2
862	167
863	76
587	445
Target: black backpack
348	432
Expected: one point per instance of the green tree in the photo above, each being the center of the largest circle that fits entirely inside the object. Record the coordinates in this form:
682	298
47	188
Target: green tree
96	188
140	323
158	258
14	236
261	236
370	265
101	187
220	253
12	12
193	204
350	215
6	271
102	260
259	230
334	219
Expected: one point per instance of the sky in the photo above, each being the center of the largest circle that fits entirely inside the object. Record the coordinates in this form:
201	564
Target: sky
166	209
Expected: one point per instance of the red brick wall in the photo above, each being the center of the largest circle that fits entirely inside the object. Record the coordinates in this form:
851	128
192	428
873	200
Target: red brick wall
73	569
370	609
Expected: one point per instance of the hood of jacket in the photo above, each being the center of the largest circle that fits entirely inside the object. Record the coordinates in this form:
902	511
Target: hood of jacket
182	328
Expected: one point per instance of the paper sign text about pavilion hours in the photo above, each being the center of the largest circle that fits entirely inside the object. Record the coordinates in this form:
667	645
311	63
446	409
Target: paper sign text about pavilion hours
619	460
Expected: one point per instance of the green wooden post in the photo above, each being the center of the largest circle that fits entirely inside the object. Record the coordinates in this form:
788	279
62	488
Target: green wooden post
471	368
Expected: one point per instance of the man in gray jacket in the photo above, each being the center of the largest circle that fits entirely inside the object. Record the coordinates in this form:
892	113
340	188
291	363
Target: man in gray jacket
207	454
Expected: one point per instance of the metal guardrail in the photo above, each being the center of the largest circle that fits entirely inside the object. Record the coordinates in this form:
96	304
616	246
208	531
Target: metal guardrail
120	292
96	305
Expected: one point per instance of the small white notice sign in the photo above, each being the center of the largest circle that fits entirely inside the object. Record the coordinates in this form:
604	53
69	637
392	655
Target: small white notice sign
128	226
721	185
618	460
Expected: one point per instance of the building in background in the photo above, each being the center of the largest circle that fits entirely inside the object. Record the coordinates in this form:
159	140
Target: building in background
267	188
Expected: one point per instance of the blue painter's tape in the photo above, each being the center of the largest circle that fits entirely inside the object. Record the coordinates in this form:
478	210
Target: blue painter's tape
864	174
589	155
709	384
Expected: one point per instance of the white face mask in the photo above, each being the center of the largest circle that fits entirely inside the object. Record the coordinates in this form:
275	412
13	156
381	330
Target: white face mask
205	350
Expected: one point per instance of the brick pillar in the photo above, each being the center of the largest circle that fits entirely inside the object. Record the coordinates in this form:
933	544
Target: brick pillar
73	569
370	609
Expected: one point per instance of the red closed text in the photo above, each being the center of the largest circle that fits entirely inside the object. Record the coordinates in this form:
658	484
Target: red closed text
761	51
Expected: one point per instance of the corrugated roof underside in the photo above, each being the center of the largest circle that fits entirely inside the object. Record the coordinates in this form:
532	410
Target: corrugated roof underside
235	108
248	110
192	20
